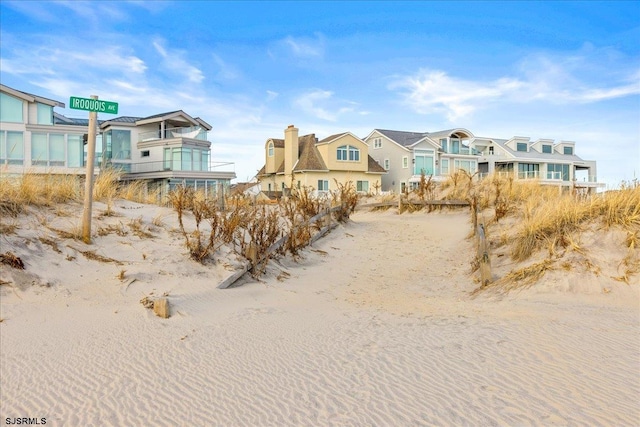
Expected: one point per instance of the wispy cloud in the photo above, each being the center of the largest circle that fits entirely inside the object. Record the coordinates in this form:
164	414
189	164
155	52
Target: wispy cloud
174	61
540	79
322	105
306	47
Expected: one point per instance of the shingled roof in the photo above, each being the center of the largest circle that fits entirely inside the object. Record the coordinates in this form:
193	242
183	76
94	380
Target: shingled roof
309	158
374	167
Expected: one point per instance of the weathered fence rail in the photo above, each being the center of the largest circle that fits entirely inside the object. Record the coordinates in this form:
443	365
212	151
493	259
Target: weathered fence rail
402	203
254	261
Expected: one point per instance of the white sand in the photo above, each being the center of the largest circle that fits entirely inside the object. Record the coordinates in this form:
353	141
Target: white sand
372	326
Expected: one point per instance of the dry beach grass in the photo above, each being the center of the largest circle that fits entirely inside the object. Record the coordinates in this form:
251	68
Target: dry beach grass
382	322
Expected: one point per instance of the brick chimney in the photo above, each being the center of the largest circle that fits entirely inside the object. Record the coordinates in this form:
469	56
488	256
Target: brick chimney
290	151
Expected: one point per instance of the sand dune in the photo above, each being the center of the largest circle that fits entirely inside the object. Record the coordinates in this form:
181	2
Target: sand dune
373	325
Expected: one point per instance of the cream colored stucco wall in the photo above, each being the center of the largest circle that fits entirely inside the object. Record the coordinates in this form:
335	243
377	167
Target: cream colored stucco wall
329	154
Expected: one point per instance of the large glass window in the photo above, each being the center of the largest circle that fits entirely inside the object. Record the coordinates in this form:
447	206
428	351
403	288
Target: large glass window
45	114
39	149
74	151
187	159
558	171
11	148
528	170
117	144
56	149
348	152
455	146
469	166
10	109
424	164
443	144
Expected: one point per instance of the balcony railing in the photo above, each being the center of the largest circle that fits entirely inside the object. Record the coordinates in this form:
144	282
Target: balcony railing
165	166
193	132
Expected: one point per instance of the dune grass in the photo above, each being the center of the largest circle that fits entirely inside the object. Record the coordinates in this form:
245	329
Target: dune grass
548	217
31	189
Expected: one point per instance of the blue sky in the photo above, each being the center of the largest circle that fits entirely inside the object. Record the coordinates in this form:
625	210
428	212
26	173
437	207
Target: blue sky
557	70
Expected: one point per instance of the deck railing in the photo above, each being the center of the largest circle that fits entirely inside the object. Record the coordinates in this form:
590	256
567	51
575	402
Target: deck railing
193	132
146	167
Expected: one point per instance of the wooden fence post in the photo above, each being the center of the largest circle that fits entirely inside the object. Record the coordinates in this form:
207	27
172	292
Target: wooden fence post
483	257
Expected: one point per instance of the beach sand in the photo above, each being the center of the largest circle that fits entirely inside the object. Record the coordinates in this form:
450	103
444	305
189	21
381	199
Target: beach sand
372	325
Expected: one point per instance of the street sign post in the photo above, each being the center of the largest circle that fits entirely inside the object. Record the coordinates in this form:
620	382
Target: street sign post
94	106
90	104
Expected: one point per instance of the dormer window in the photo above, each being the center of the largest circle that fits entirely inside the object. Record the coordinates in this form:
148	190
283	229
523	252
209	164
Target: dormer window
348	152
568	150
546	148
270	149
522	146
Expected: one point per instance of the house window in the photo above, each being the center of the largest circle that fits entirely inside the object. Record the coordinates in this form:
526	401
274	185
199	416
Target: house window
11	148
45	114
10	109
386	164
144	153
405	162
469	166
546	148
443	144
348	152
362	186
568	150
491	150
270	150
118	144
444	167
47	149
75	149
56	149
39	149
528	170
455	146
377	143
323	185
558	171
403	187
521	146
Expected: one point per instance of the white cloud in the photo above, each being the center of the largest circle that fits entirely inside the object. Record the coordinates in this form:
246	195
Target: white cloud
305	47
321	104
271	95
174	61
541	79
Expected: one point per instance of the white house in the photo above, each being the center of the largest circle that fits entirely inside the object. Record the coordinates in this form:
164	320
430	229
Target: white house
405	155
164	150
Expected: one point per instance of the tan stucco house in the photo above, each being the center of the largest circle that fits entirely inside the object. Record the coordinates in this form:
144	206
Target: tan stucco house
304	161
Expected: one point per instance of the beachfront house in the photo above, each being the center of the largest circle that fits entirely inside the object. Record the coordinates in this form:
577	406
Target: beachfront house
164	150
408	155
304	161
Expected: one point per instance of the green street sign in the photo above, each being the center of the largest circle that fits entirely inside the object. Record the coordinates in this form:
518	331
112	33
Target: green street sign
96	105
